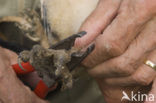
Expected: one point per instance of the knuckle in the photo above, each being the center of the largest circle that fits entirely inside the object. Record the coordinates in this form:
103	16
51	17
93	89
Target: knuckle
122	67
116	48
141	80
133	9
110	46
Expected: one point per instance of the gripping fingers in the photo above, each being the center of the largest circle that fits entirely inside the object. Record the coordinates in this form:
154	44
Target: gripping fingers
118	35
133	57
98	21
144	75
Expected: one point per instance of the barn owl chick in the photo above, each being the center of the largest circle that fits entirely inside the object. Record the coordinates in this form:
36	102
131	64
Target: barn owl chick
66	16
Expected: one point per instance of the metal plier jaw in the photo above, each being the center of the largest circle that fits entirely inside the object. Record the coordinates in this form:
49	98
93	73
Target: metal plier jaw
68	43
43	87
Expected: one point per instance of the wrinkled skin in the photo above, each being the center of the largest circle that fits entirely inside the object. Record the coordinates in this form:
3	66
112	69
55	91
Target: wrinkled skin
12	90
125	25
124	34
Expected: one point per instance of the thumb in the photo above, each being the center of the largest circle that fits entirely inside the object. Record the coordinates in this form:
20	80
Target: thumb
97	21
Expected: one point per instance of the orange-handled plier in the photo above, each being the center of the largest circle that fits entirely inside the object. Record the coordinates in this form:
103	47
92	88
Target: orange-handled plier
43	87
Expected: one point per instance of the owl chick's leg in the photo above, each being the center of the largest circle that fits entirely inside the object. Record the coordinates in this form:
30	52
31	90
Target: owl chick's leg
24	56
67	79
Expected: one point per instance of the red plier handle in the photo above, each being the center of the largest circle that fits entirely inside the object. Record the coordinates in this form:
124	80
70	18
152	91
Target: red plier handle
23	68
41	88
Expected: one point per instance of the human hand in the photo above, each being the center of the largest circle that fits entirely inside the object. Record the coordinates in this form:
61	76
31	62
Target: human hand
132	71
12	90
127	40
119	22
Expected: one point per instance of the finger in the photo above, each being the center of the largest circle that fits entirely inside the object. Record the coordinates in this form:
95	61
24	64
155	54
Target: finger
97	21
119	34
144	75
127	63
152	93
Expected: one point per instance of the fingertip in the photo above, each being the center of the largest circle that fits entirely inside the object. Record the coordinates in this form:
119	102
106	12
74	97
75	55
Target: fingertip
77	43
81	42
